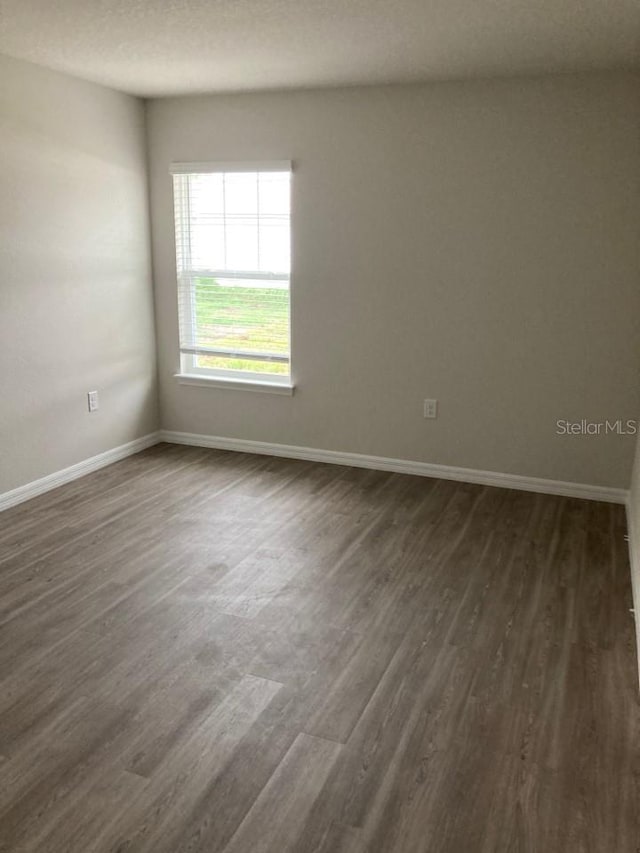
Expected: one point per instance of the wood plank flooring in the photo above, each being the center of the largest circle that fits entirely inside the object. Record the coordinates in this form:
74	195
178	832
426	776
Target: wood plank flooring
212	651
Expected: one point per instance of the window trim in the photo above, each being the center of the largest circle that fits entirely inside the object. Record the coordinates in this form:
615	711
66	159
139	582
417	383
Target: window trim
214	166
189	373
231	383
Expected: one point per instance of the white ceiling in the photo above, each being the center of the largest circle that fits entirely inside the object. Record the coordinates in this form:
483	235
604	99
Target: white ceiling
164	47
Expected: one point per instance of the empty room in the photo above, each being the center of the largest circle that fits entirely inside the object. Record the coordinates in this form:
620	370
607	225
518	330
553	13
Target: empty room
319	426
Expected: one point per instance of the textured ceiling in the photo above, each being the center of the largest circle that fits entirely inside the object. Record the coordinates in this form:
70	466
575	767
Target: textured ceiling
163	47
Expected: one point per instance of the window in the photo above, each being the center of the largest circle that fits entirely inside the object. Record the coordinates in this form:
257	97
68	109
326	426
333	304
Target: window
233	263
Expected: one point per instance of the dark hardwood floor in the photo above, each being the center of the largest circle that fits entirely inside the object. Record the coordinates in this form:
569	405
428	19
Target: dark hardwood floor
211	651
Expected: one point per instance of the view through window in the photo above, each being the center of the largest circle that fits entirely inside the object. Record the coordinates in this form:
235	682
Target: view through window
233	264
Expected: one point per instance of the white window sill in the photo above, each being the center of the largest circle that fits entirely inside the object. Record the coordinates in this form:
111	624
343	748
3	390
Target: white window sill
264	386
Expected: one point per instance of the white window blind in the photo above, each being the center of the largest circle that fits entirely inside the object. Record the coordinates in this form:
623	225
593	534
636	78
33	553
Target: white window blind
233	262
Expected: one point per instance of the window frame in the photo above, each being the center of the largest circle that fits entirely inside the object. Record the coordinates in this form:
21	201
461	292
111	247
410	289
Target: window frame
189	372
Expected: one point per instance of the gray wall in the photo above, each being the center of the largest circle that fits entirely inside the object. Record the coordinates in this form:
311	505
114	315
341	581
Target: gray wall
76	310
474	242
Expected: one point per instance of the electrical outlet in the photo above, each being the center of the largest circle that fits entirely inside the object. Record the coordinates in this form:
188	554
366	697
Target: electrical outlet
92	400
431	408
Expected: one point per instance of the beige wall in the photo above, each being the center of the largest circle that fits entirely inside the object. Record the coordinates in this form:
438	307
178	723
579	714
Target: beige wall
75	291
473	242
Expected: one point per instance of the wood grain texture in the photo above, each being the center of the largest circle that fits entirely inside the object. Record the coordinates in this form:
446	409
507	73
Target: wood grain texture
217	652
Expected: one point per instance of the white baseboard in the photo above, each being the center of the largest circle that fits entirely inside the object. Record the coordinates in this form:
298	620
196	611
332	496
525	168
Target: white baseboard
312	454
402	466
633	529
59	478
